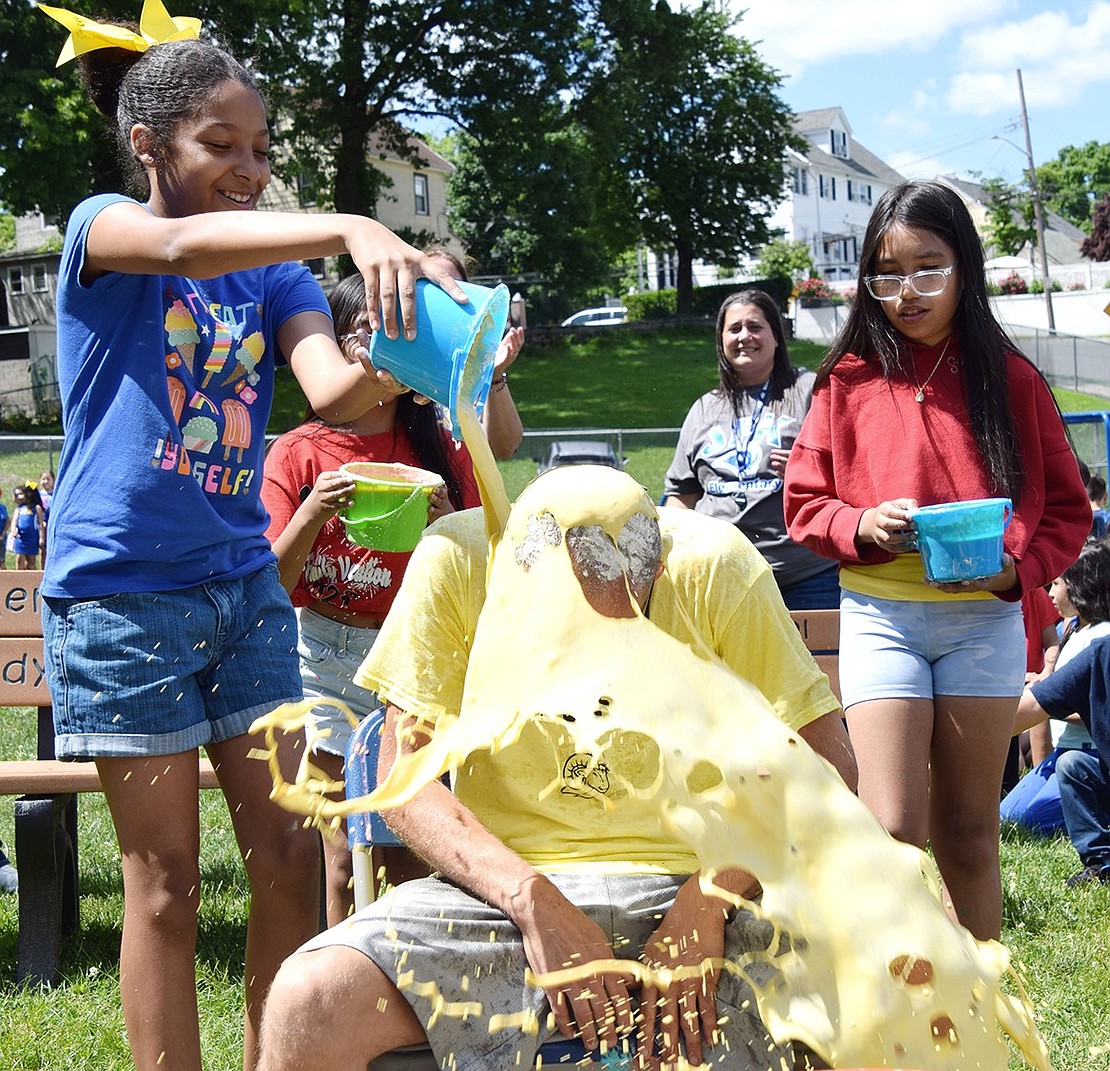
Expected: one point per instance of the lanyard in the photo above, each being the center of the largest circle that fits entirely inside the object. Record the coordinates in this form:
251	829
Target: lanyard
757	414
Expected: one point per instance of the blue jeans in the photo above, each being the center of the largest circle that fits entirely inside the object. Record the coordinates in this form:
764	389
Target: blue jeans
1085	797
1034	802
818	592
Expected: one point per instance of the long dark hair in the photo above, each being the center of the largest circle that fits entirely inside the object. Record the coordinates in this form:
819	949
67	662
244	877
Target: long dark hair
983	345
160	88
783	375
421	422
1088	583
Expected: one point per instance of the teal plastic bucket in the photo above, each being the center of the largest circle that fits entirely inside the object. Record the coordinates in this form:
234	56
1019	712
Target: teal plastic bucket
962	540
389	509
451	358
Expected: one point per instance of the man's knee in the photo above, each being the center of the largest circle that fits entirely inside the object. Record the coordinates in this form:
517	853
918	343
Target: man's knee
321	1013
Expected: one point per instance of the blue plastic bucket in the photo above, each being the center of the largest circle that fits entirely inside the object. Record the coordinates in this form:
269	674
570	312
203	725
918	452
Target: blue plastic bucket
962	540
451	358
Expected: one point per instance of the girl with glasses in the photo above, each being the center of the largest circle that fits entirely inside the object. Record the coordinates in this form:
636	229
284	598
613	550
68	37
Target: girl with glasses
923	400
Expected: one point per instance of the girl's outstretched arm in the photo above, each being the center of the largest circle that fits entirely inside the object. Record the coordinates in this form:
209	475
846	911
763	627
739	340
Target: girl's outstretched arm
127	238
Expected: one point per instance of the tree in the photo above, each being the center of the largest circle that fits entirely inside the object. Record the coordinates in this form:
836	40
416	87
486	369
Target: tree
526	204
335	71
688	132
53	147
1074	182
1010	221
781	259
1097	244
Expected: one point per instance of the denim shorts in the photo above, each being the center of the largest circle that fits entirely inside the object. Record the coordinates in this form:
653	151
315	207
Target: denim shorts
331	653
158	673
891	649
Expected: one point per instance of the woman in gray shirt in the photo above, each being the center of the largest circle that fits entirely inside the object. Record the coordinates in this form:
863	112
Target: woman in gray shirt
735	441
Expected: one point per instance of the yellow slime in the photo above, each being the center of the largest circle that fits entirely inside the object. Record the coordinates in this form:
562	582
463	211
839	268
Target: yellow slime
875	973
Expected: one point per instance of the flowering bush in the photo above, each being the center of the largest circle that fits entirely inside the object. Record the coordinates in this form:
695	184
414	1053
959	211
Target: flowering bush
1077	285
1013	284
809	290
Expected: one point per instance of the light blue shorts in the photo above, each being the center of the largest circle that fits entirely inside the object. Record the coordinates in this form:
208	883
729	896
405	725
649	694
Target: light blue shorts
890	649
158	673
331	653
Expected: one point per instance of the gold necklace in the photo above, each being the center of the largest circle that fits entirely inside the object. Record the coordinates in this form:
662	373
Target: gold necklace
919	397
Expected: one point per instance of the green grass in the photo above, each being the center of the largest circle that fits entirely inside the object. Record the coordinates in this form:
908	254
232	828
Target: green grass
1059	938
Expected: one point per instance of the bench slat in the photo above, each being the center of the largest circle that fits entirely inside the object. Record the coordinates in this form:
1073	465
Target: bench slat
44	777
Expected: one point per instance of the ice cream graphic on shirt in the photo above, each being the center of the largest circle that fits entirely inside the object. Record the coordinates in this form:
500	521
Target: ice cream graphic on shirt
247	356
181	331
199	433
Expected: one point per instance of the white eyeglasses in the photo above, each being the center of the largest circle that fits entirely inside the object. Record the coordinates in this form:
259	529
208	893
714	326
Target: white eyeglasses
926	283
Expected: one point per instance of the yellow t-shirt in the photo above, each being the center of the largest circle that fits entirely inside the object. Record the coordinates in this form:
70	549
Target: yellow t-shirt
544	800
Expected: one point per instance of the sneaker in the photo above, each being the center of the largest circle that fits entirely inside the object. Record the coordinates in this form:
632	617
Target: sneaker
1092	872
9	879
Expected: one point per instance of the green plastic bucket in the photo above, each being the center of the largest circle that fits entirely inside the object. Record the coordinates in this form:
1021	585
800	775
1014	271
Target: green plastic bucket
389	510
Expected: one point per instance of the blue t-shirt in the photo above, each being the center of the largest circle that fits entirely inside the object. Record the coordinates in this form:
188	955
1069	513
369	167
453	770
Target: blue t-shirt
166	387
1081	686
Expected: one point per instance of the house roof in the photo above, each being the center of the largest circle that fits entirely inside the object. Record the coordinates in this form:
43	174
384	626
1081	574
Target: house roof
425	156
820	119
860	159
1062	238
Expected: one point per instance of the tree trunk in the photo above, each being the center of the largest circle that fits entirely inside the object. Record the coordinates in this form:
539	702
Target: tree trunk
684	278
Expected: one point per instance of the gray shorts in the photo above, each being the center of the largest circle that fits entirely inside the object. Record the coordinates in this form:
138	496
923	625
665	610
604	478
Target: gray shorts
430	929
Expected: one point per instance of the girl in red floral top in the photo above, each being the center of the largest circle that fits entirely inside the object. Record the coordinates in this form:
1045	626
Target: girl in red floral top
343	591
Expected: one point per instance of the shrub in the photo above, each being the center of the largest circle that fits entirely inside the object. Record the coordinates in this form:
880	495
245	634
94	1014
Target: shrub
1037	286
1013	284
1077	285
651	304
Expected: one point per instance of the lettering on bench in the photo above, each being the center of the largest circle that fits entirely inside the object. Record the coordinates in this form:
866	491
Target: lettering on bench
20	603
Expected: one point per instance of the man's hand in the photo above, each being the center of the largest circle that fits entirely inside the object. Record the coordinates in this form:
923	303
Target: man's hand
692	936
557	935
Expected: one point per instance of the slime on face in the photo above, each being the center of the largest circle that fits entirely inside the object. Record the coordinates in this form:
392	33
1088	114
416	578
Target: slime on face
874	973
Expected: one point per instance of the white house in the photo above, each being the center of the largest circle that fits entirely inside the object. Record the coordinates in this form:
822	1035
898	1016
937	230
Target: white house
831	187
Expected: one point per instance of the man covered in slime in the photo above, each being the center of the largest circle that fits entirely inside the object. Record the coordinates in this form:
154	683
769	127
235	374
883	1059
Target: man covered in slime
552	843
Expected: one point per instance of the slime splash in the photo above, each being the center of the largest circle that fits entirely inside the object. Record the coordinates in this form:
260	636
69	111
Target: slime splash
869	971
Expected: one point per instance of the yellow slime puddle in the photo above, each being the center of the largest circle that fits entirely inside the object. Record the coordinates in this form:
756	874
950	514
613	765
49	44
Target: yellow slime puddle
874	973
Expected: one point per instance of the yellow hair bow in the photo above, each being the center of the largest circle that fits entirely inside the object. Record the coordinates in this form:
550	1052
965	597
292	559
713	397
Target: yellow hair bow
156	24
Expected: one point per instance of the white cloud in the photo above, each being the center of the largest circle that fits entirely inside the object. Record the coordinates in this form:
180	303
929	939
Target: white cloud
803	33
1059	61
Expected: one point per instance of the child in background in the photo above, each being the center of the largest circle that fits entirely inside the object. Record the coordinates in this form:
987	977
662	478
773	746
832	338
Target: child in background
921	400
1081	594
166	627
344	590
28	527
46	493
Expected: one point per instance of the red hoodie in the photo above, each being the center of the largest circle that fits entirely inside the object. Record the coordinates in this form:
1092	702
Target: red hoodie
866	440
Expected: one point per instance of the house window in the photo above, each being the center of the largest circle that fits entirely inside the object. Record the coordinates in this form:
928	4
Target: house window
800	180
38	277
838	141
827	186
306	192
15	281
865	194
420	193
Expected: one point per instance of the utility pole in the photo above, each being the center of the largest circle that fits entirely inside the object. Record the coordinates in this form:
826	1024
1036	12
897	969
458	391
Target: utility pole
1038	213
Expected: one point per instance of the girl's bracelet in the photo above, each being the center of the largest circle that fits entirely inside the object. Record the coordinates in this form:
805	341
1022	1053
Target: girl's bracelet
499	383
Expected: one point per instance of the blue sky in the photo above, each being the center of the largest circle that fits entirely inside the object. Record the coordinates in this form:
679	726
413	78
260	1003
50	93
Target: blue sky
925	85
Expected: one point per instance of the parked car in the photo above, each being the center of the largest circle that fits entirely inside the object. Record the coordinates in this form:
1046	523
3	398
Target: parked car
580	452
613	314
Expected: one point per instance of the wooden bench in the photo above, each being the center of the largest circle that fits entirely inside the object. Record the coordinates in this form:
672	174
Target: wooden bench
46	790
